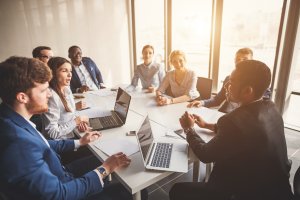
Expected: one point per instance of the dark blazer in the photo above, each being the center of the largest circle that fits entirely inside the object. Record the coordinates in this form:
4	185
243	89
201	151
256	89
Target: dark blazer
220	98
249	153
92	68
30	169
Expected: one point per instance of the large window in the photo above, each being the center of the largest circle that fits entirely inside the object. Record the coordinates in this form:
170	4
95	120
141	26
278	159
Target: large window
149	19
191	24
254	25
292	113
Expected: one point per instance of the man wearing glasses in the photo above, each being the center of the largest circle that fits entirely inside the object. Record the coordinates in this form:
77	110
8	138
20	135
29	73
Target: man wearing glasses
43	53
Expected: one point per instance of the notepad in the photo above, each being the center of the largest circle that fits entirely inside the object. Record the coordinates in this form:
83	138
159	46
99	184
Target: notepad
115	145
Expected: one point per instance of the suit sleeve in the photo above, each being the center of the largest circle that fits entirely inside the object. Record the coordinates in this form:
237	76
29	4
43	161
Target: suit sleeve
35	177
219	98
222	145
60	146
97	71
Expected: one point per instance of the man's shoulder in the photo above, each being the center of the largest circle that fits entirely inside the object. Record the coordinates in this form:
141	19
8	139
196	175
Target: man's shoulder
252	112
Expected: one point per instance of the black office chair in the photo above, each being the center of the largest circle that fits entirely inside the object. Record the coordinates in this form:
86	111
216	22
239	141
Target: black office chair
204	87
297	184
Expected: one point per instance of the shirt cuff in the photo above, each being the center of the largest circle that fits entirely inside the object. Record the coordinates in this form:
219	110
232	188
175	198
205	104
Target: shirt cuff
76	144
100	177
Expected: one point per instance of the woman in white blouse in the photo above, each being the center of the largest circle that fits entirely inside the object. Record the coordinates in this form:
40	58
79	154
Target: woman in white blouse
60	120
181	81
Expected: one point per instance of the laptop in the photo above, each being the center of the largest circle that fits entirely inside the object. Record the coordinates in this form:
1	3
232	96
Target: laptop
161	155
118	115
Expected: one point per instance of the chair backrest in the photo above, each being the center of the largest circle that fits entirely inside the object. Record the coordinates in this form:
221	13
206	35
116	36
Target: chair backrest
297	184
204	87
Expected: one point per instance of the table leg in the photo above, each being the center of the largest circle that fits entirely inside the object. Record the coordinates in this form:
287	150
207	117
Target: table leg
208	170
196	167
137	196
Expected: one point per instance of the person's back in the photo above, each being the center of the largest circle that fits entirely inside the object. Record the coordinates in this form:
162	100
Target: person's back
248	150
259	167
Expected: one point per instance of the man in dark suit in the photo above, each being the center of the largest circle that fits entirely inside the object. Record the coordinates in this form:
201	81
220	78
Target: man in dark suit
220	98
85	73
249	149
30	166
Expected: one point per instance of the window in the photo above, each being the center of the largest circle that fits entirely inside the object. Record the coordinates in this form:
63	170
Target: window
191	24
254	25
149	19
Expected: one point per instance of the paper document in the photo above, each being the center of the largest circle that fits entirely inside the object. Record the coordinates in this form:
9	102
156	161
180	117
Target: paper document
115	145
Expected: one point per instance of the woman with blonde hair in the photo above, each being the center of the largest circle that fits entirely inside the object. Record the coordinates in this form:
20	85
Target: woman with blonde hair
181	80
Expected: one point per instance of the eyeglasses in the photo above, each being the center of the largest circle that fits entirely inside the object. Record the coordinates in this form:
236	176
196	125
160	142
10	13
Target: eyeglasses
45	56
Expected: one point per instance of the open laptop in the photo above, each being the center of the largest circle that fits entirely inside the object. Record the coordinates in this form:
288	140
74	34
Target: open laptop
118	115
163	156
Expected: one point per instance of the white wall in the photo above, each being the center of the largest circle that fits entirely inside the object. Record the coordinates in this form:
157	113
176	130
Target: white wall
99	27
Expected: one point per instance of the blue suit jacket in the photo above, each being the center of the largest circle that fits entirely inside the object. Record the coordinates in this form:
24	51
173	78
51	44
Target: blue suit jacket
92	69
30	169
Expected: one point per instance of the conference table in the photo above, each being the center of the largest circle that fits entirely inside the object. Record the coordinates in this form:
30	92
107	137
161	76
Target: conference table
164	119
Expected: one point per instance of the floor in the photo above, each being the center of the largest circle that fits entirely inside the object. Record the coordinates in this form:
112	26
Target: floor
161	189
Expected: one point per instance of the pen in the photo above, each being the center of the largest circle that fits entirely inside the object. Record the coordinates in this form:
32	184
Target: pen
85	108
178	133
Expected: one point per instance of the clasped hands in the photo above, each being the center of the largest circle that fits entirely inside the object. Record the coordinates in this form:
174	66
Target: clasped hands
188	120
161	100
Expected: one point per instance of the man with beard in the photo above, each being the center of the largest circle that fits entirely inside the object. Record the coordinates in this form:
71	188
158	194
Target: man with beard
30	166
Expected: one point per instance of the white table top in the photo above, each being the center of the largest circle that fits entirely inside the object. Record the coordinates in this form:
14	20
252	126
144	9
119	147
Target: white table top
135	177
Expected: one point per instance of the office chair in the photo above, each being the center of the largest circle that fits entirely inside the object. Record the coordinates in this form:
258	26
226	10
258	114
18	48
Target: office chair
204	87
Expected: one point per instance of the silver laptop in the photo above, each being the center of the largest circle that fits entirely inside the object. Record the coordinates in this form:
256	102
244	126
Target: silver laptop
118	115
159	155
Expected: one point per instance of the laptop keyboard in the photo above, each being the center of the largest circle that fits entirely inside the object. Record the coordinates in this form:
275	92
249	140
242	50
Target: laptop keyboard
108	121
162	155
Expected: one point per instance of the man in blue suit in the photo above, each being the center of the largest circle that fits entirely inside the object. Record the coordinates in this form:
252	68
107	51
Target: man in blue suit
30	167
85	73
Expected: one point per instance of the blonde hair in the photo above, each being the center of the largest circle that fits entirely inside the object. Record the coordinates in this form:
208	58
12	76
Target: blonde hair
176	53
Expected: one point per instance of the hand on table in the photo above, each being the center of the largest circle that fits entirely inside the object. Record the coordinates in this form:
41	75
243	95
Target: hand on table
83	89
116	161
80	105
195	103
89	136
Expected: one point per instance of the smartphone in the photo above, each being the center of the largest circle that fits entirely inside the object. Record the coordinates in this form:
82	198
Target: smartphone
130	133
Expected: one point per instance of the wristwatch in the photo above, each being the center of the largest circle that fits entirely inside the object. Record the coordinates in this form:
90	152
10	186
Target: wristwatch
102	171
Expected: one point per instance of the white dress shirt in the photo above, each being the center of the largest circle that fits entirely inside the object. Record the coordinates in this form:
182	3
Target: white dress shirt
57	122
85	77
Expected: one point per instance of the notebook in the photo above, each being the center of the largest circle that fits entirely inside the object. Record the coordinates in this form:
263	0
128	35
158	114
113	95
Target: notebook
159	155
118	115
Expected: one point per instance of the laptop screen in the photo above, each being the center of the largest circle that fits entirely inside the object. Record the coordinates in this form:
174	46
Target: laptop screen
145	137
122	104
